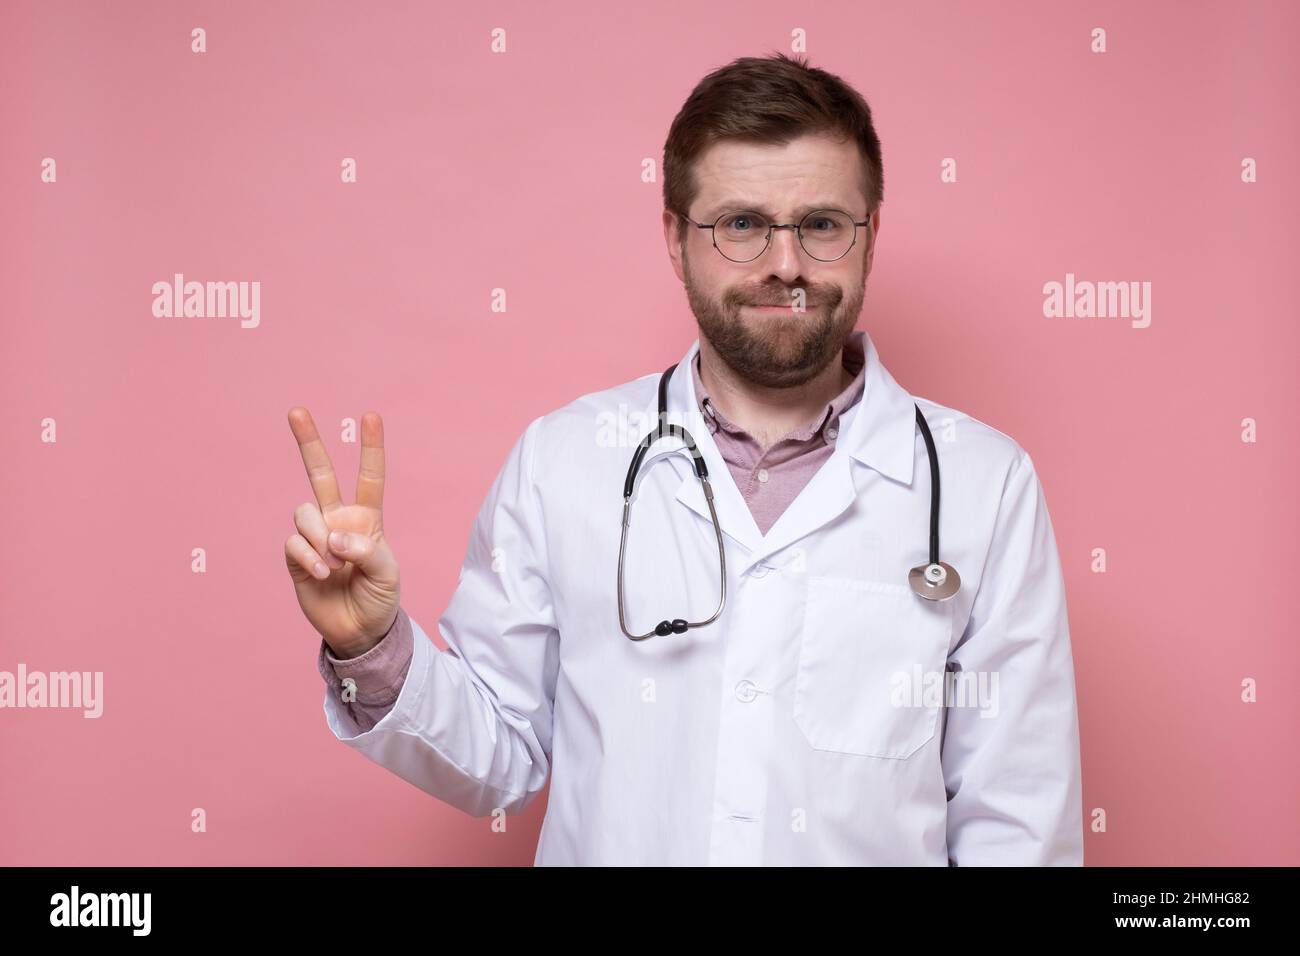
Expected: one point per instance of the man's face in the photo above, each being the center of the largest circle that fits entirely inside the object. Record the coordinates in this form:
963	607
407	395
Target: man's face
776	347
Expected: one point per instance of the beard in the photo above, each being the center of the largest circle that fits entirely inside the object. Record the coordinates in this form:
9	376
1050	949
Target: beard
775	350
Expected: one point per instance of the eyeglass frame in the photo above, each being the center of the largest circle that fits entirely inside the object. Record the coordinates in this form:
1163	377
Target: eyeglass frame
772	226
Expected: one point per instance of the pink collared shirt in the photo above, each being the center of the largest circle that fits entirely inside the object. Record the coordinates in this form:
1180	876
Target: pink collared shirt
769	479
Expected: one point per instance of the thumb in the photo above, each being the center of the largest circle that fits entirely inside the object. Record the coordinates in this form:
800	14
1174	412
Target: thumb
360	549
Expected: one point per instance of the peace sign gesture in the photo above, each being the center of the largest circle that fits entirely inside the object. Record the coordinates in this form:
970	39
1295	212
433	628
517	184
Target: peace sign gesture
348	589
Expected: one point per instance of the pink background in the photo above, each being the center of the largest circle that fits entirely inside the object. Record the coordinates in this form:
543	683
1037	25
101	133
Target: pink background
225	166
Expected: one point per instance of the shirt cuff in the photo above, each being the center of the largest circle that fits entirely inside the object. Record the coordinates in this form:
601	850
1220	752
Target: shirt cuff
380	672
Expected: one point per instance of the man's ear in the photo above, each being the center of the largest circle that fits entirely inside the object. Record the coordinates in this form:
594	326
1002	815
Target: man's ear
672	226
869	256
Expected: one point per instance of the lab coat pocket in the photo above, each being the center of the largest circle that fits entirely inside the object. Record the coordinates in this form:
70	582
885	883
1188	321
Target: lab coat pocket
871	664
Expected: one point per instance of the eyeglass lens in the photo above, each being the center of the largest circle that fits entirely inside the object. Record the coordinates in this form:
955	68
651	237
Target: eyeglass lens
825	234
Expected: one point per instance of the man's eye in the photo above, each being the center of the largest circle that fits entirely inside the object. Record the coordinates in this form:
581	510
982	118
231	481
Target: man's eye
741	224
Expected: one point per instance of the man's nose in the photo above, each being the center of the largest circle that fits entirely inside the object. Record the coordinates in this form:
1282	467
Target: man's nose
783	253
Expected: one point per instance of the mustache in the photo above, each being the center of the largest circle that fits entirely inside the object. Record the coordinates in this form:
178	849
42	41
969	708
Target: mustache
807	303
787	299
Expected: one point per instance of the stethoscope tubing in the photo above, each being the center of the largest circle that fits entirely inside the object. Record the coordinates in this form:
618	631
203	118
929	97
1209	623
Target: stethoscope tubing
935	581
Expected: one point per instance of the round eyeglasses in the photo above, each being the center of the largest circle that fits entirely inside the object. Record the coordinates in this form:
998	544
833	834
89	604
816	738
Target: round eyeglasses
825	234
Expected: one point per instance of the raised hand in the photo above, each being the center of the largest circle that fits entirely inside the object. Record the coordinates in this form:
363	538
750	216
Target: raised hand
349	592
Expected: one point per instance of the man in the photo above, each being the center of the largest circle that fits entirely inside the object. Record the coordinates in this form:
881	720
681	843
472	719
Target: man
823	715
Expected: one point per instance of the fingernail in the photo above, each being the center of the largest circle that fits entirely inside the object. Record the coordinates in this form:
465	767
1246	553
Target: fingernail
320	570
339	540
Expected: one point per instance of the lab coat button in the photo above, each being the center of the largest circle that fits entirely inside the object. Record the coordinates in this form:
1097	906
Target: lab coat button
759	570
745	691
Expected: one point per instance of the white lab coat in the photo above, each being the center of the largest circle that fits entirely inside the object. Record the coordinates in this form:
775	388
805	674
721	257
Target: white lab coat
773	735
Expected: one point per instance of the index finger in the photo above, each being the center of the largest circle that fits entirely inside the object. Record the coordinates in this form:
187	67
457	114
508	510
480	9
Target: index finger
320	470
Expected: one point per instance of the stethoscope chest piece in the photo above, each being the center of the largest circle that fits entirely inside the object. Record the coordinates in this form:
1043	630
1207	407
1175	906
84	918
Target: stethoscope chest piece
934	582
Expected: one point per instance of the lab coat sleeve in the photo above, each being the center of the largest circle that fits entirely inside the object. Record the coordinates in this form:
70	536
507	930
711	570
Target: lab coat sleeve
472	724
1012	770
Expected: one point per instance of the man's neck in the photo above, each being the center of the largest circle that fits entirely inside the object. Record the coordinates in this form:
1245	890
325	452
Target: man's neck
769	414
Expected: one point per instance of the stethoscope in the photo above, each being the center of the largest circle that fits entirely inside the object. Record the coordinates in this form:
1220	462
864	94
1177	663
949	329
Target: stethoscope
935	581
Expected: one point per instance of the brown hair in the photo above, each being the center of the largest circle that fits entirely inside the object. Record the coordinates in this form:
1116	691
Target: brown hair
766	100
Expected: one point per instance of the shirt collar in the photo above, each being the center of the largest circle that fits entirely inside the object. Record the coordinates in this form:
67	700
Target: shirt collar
881	432
825	422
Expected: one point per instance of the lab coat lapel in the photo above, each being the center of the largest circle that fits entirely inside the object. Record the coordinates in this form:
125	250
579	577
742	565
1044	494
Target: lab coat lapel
829	492
733	513
881	434
878	431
